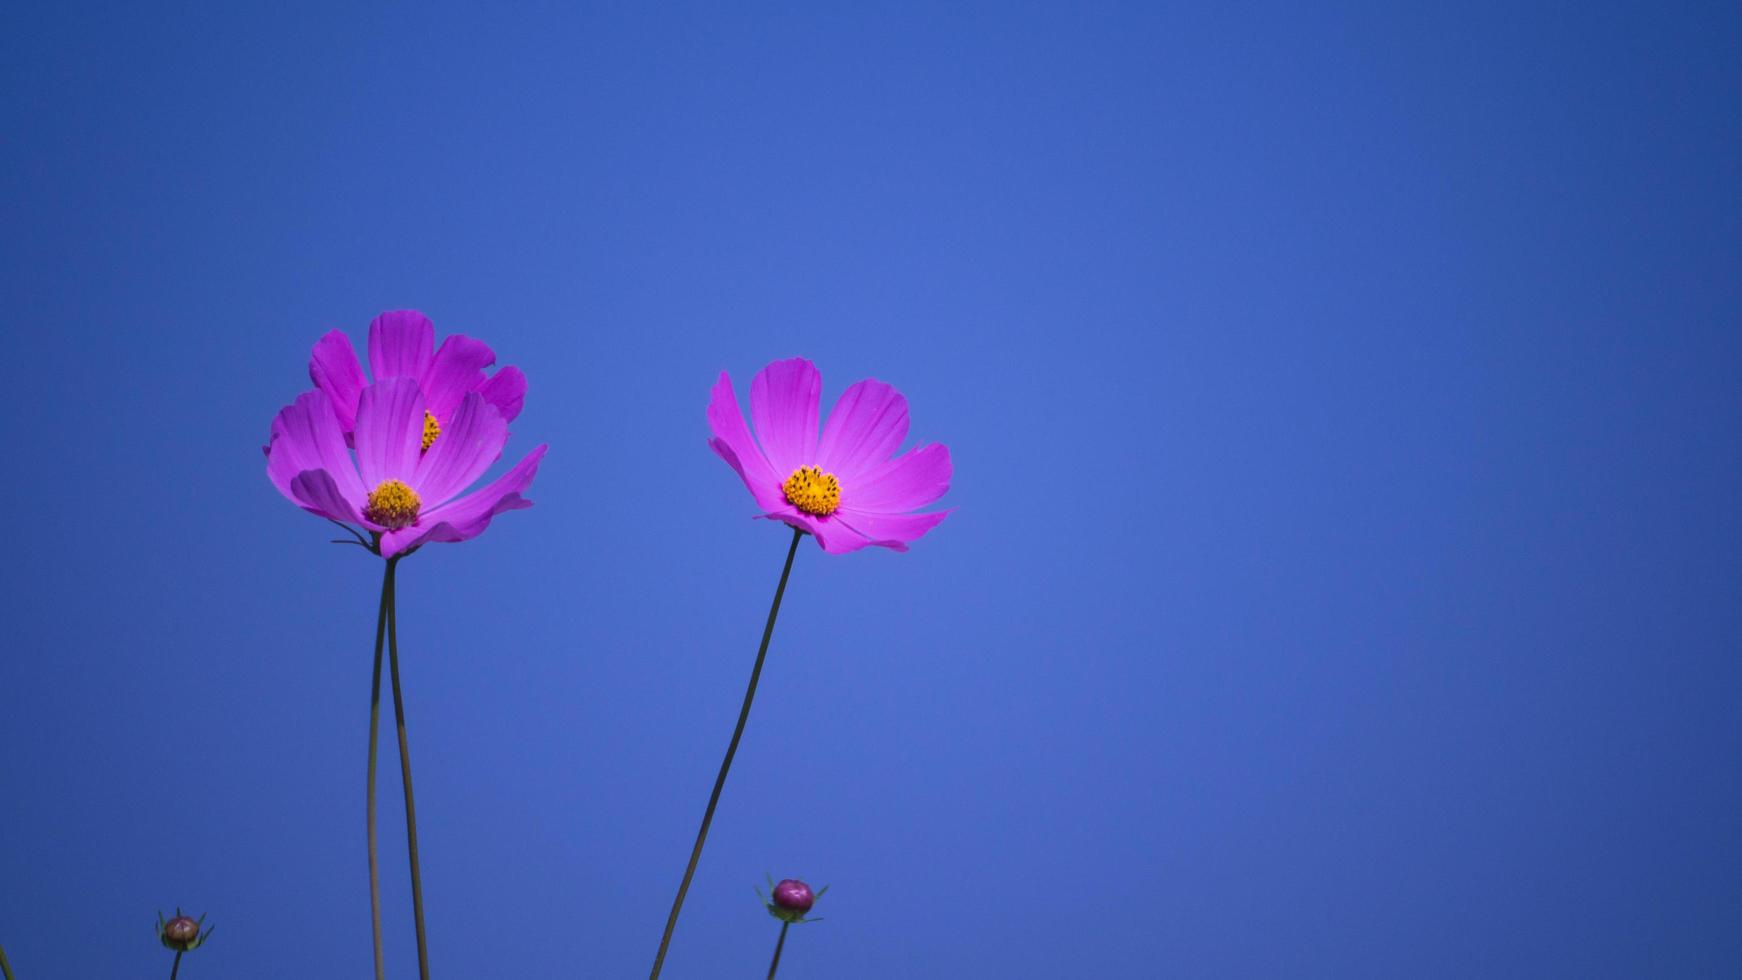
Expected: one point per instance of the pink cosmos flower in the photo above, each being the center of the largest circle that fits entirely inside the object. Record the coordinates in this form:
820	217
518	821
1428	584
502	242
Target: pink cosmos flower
402	485
844	487
401	343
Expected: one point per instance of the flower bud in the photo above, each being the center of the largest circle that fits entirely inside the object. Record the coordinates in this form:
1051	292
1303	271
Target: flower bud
790	899
793	895
181	930
181	933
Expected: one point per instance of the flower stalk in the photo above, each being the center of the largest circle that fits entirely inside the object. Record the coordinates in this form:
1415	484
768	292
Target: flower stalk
369	805
5	967
726	763
774	964
405	769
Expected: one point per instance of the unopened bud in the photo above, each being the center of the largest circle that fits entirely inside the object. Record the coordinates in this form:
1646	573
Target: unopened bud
794	896
181	933
790	899
181	930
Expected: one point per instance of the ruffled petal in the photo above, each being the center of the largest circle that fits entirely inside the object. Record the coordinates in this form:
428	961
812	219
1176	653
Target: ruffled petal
471	440
506	390
832	536
867	424
468	516
306	436
334	369
400	344
457	369
733	444
891	531
784	400
907	482
316	492
389	432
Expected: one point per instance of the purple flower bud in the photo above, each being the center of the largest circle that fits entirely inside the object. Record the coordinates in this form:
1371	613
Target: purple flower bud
794	896
180	931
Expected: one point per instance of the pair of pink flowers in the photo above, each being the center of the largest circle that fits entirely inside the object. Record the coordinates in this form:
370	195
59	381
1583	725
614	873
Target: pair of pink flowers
394	455
423	431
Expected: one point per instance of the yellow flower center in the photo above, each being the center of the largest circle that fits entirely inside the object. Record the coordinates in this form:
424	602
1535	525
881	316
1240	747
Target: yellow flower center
813	491
431	429
393	505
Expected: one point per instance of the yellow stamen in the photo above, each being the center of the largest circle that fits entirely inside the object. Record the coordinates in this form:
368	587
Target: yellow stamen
813	491
393	505
431	429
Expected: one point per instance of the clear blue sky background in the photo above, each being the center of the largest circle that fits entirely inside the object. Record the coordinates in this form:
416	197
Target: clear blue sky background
1344	405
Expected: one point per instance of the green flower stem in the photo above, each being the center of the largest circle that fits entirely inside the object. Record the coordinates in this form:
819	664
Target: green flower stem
173	967
5	967
369	806
726	764
775	963
405	771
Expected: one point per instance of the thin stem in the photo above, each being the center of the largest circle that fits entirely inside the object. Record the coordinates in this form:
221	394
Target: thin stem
369	806
726	764
173	967
774	964
405	771
5	967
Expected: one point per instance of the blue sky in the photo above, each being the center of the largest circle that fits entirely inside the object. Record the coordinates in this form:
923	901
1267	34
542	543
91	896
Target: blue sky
1343	404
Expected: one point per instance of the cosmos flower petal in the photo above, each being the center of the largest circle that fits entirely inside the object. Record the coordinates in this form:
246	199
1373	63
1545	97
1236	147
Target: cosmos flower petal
389	432
766	495
785	398
468	516
288	454
867	424
733	444
306	436
316	492
891	531
471	440
400	344
506	389
334	369
832	536
458	367
907	482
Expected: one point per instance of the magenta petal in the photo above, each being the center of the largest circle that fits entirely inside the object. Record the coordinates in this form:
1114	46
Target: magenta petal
316	492
468	516
334	369
733	444
506	390
839	539
891	531
868	423
784	401
389	432
458	367
832	536
907	482
400	344
764	497
468	444
306	436
404	539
